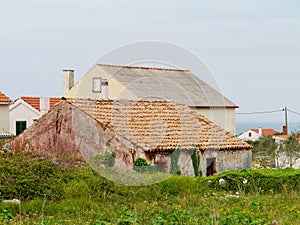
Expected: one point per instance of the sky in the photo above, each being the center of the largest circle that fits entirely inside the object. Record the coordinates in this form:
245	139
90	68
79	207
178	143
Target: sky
252	47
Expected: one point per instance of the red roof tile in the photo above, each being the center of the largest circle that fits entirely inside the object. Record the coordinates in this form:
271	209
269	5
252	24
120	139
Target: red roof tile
159	125
266	131
54	101
4	98
35	101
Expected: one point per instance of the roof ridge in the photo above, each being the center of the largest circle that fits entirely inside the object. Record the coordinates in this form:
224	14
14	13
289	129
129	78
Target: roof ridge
38	97
144	67
4	98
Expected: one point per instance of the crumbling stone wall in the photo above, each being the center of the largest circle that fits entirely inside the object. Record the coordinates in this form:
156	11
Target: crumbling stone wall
58	135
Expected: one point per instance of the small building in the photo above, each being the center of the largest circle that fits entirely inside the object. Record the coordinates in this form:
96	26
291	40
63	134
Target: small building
4	115
146	83
255	134
151	130
24	111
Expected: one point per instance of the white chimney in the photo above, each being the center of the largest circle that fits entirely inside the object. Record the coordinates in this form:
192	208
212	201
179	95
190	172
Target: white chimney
68	81
260	131
104	88
44	105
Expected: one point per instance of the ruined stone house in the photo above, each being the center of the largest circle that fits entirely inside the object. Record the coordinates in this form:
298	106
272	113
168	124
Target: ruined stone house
151	130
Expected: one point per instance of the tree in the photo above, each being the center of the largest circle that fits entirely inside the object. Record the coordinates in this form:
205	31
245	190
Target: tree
291	148
264	150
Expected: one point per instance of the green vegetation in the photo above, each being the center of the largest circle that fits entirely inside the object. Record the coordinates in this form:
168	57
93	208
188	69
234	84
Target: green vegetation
266	150
196	163
140	165
175	169
291	147
106	159
53	195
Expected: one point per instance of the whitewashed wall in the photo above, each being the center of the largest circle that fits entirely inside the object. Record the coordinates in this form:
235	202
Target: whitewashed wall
21	111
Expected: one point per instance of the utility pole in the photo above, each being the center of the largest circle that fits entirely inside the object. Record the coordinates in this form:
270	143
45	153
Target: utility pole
286	120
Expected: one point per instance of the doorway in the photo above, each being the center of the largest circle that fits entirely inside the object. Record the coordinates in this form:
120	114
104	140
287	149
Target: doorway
210	166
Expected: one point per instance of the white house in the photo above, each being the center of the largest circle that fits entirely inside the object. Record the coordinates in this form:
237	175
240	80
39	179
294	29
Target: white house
4	115
24	111
147	83
255	134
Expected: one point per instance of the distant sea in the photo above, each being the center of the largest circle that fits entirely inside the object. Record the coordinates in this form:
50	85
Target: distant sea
241	127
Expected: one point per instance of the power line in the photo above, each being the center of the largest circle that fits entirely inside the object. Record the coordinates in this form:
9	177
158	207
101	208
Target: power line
261	112
294	112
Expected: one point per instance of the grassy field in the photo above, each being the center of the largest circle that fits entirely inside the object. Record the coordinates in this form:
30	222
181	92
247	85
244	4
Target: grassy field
53	195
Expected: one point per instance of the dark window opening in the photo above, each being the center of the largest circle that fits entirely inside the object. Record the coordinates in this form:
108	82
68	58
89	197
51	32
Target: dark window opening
20	126
250	134
210	166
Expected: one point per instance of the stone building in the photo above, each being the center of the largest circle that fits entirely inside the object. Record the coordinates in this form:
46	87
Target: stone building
151	130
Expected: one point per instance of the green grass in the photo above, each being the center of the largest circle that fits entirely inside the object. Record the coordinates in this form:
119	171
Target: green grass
53	195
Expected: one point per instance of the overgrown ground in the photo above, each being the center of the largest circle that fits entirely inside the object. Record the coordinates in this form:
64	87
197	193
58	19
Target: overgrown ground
53	195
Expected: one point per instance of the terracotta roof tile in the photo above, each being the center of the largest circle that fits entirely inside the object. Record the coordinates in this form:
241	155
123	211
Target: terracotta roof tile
35	101
4	98
266	131
159	125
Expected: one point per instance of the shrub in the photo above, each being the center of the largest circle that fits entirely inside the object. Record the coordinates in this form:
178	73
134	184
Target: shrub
140	165
106	159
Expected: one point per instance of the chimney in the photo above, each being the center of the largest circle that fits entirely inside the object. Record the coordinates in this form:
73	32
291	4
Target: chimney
260	131
44	105
68	81
104	87
284	129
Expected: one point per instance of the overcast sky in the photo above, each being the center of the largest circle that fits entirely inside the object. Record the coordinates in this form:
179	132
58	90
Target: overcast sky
252	46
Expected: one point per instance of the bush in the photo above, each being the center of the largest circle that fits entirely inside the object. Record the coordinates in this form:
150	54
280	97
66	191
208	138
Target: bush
140	165
106	159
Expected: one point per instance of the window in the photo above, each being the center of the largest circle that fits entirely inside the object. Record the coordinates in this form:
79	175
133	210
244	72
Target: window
250	134
20	126
97	84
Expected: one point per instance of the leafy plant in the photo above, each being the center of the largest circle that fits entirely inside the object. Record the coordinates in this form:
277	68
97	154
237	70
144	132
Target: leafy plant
196	162
5	216
106	159
140	165
175	169
291	148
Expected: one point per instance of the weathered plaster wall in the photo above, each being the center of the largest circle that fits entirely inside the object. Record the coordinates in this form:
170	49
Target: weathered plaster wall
223	117
67	133
234	160
226	160
4	117
283	161
186	164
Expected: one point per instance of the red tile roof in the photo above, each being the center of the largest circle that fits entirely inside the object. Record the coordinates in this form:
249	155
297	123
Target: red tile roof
159	125
266	131
35	101
4	98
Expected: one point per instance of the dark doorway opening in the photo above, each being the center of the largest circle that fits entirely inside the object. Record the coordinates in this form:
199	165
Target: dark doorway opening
210	166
